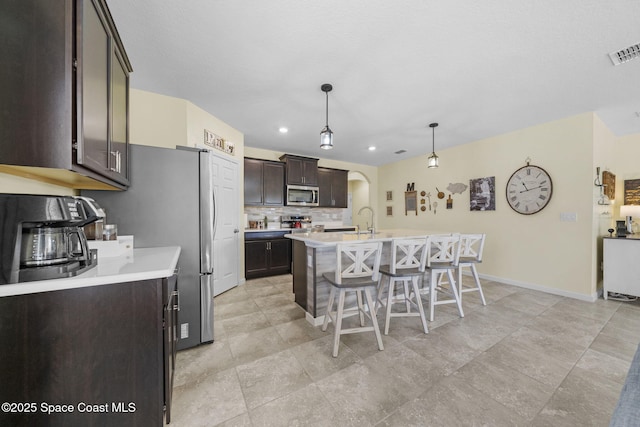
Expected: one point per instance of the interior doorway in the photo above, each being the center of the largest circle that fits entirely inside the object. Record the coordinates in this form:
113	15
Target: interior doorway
358	198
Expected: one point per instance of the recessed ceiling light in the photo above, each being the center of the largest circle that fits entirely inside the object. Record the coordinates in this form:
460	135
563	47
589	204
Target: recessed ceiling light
372	148
283	130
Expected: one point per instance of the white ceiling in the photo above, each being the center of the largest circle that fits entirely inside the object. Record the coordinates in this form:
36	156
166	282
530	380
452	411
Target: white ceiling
479	68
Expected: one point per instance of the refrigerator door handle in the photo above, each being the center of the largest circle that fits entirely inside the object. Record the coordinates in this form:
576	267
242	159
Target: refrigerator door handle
206	308
207	213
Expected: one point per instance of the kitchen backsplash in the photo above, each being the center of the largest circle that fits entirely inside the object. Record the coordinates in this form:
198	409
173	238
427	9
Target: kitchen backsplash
318	215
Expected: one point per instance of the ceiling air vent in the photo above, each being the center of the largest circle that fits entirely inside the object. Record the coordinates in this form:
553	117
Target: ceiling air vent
400	151
625	55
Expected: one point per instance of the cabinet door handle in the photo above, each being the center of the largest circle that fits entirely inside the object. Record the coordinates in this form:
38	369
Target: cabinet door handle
176	294
115	159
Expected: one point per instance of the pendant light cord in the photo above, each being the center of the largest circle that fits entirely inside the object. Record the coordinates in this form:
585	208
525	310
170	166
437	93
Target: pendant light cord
433	137
327	109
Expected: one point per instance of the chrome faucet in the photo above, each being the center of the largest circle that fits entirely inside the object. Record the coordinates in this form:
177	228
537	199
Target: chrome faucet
371	229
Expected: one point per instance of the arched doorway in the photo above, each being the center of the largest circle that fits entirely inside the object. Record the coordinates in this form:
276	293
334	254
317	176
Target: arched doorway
358	198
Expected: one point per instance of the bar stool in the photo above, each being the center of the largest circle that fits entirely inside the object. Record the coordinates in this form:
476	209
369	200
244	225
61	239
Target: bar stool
471	247
357	266
442	258
408	260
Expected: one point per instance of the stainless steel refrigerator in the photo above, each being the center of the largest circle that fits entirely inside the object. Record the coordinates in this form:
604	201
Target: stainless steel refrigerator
171	203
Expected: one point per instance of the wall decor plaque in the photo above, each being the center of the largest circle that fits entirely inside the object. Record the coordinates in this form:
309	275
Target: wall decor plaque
410	202
609	182
631	191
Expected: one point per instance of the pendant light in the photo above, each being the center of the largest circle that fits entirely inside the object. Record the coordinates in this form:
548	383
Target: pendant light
326	136
432	160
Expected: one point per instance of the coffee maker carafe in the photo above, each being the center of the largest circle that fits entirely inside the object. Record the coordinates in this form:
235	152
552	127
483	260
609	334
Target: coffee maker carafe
42	237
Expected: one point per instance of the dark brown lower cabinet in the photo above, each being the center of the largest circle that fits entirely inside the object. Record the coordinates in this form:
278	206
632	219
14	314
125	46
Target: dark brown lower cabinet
300	273
266	254
93	356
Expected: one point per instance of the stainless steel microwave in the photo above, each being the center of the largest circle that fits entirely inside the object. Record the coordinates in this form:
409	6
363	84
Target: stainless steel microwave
299	195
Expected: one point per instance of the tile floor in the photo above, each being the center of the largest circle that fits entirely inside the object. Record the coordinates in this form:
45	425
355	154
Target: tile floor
526	359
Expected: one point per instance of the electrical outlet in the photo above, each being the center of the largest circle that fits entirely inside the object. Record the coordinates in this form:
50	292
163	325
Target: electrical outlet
184	331
568	216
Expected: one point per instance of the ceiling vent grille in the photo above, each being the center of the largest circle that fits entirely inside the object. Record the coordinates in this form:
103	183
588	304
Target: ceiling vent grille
625	55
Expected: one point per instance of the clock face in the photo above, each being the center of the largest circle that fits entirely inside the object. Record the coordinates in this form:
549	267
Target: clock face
529	190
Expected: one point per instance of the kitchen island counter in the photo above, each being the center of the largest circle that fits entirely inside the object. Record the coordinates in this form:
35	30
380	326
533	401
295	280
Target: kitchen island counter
141	264
314	254
316	240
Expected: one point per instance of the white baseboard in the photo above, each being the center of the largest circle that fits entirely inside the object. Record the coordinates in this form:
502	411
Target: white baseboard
315	321
590	298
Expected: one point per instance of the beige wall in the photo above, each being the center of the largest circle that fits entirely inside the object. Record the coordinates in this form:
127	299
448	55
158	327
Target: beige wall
157	120
603	215
537	251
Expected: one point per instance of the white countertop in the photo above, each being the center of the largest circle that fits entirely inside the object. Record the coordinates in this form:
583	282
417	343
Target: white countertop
263	230
331	239
141	264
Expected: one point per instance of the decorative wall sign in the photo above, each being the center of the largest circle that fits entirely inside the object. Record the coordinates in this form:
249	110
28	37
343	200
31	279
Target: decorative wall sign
449	202
609	182
410	201
483	194
389	196
389	210
229	147
217	142
458	188
631	191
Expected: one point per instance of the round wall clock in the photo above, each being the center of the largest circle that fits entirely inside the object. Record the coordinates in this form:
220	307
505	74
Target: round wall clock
529	189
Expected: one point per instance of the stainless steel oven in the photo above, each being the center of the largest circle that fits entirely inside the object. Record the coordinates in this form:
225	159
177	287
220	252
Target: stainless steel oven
299	195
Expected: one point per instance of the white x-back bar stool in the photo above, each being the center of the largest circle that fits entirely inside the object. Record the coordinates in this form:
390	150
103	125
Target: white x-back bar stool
407	264
357	266
471	247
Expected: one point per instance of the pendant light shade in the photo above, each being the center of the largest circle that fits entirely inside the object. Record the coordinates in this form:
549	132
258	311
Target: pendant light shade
326	136
432	160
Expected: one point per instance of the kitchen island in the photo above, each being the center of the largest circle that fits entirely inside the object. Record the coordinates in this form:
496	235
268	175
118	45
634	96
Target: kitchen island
95	349
314	254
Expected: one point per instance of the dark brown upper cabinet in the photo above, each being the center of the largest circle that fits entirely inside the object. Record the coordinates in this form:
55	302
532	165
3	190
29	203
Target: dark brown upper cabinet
263	183
333	185
65	85
301	170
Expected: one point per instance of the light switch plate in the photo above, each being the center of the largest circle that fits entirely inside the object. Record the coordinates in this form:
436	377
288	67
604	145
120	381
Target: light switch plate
568	216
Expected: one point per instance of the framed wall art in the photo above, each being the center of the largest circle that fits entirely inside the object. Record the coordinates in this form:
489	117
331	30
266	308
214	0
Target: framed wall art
482	194
631	191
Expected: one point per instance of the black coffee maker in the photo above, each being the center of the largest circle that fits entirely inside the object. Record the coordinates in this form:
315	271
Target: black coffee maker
41	237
